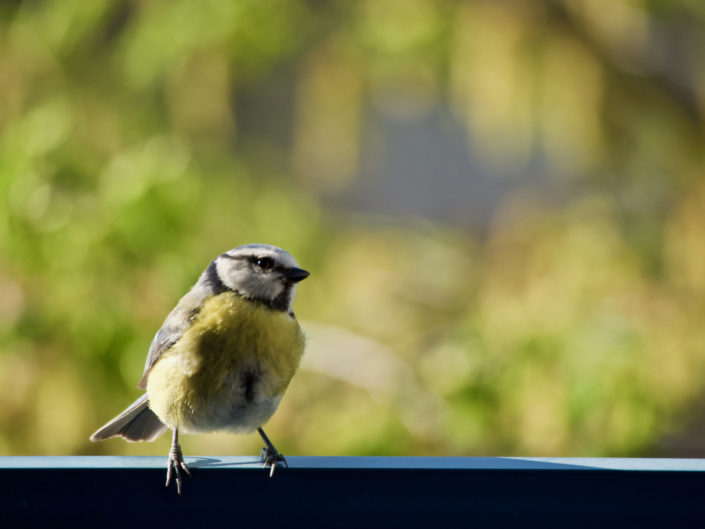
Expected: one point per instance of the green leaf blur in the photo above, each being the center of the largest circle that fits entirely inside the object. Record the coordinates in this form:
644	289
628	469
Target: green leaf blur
556	311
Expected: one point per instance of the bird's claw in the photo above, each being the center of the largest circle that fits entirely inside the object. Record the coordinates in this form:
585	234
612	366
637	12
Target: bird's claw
272	459
175	466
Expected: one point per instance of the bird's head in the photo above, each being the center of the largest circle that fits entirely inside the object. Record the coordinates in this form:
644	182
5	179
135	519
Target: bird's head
262	273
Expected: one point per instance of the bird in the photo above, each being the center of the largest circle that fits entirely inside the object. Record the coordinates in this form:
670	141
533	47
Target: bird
223	357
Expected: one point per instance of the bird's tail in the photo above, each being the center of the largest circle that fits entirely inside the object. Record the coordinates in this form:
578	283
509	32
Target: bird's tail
136	423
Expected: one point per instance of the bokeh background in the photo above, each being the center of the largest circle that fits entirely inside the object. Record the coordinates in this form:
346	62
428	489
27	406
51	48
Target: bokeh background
502	204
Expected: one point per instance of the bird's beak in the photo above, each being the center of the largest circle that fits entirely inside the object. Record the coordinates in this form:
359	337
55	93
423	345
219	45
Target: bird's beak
294	275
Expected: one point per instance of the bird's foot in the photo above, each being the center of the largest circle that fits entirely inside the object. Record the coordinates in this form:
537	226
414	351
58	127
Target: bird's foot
175	466
272	459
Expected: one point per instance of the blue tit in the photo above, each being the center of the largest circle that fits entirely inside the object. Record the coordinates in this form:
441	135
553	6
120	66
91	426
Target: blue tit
222	358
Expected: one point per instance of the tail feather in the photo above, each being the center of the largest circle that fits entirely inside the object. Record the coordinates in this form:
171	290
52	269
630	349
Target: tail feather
136	423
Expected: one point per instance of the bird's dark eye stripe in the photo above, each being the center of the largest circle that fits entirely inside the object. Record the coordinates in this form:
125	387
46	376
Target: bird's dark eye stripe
265	263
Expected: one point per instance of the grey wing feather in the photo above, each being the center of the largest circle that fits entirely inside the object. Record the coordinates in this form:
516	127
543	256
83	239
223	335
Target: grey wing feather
136	423
176	323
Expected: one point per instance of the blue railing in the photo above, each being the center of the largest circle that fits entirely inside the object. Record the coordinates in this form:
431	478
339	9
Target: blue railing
331	492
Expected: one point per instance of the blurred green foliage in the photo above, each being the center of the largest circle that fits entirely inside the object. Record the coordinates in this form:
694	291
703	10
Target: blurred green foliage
137	143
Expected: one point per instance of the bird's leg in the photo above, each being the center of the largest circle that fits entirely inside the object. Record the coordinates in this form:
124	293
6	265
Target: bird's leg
176	462
269	455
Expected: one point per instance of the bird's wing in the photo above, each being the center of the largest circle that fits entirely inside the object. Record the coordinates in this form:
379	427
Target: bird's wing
176	323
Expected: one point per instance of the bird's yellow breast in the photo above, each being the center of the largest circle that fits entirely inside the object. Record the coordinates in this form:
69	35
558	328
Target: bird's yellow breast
229	369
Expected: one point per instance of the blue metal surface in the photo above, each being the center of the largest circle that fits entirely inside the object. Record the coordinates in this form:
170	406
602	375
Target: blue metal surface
334	492
370	463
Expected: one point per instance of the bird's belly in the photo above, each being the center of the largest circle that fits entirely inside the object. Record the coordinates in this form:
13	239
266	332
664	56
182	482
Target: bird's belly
228	371
233	414
241	404
237	401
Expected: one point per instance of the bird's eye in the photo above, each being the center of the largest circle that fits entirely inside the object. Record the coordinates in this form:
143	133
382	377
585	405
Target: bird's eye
265	263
